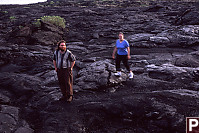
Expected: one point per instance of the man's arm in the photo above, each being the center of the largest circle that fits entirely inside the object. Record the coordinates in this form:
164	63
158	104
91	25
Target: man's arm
54	63
72	65
72	60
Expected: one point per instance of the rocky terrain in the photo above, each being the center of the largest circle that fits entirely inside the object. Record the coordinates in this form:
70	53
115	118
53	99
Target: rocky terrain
164	39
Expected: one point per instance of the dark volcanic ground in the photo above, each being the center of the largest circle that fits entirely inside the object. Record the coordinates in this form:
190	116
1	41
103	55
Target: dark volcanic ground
164	40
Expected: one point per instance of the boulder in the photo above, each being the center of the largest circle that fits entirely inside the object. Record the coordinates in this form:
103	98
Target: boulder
139	37
154	8
185	36
138	18
48	34
24	130
46	26
181	77
46	38
24	32
10	120
89	12
96	36
160	40
4	99
19	84
187	61
77	49
9	117
143	44
191	30
98	74
150	109
20	34
188	17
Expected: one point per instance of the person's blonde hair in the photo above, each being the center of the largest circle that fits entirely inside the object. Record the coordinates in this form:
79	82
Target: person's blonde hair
121	33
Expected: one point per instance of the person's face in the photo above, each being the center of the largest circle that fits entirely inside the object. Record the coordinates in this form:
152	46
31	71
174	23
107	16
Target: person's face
121	37
62	46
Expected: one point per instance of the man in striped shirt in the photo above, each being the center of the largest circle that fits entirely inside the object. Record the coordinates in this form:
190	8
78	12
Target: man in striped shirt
64	62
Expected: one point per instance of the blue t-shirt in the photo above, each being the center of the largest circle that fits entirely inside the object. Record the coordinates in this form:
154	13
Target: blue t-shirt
122	47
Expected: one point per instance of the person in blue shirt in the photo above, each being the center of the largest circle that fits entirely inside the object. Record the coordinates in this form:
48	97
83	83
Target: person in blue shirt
123	54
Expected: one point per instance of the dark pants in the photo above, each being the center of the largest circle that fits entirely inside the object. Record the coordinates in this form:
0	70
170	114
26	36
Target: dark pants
65	78
124	59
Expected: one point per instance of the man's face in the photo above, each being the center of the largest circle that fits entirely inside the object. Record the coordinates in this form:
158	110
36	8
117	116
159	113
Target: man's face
62	46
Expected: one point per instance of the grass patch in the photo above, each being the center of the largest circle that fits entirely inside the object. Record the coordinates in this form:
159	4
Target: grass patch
12	18
55	20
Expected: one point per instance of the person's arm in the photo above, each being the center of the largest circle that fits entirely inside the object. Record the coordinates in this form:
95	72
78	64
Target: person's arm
72	65
129	52
72	60
114	51
54	61
55	65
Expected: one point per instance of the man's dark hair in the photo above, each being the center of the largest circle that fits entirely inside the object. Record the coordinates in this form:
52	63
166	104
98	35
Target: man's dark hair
58	44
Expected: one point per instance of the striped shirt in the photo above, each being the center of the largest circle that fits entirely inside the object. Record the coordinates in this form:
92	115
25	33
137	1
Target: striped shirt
63	60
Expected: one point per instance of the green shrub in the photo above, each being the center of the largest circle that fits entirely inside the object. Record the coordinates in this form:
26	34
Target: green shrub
12	18
52	2
37	22
5	11
20	27
41	5
55	20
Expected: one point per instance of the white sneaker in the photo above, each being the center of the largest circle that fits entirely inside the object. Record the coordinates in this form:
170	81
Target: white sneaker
131	75
118	74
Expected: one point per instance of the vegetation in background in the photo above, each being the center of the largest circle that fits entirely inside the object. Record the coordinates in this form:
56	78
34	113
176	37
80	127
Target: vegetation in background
51	2
12	18
41	5
5	12
20	26
55	20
